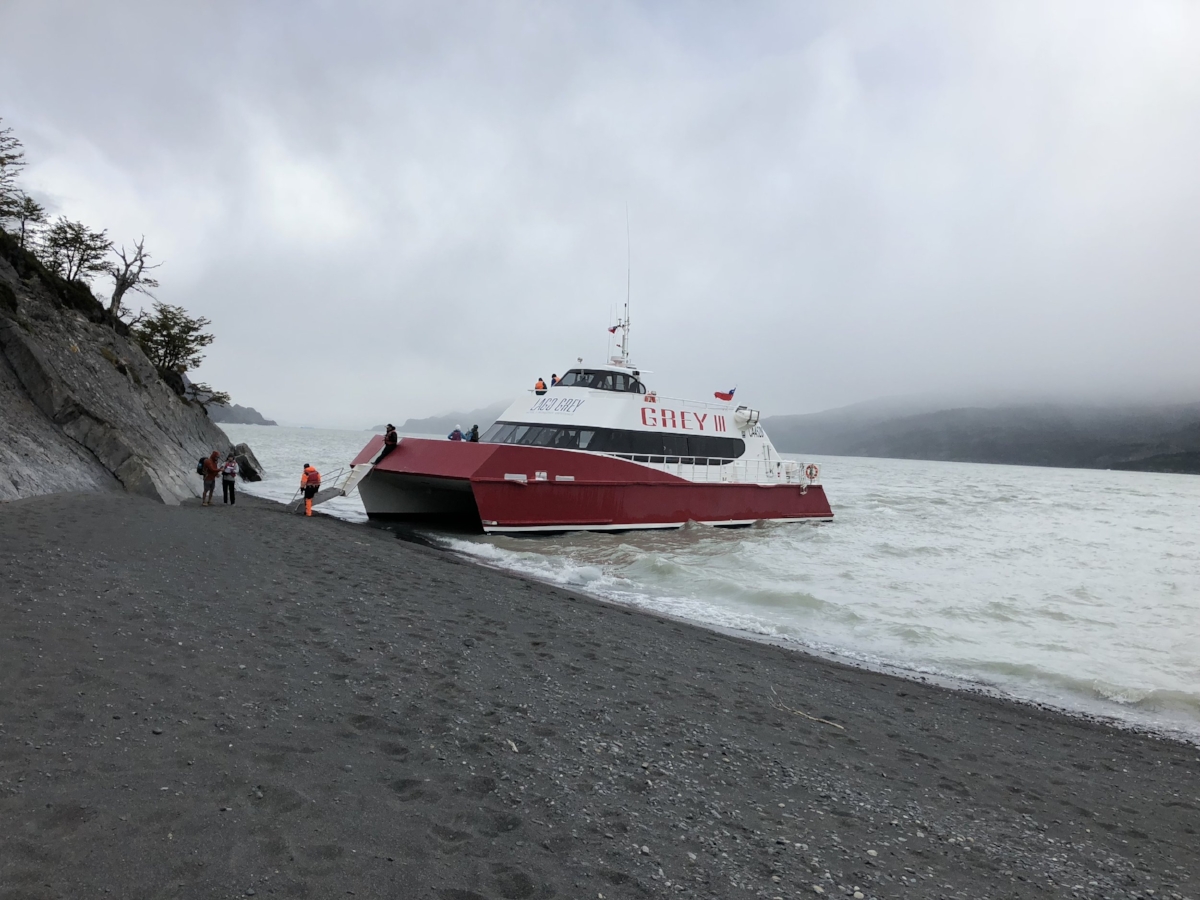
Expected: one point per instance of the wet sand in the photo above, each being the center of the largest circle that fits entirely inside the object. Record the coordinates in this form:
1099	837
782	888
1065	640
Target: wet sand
228	702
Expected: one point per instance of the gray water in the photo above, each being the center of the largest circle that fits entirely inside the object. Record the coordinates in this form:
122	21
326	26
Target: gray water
1072	587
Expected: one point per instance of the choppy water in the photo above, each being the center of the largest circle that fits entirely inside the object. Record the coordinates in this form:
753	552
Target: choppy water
1072	587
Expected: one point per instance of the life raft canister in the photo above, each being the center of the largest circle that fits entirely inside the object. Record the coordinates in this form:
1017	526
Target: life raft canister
811	471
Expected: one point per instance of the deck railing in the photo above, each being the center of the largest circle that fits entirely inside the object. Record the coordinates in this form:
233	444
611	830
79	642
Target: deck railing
728	471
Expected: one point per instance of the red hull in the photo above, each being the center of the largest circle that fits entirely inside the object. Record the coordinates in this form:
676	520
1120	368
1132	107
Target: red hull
563	489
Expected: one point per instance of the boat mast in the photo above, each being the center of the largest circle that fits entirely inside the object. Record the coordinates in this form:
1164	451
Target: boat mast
628	283
622	359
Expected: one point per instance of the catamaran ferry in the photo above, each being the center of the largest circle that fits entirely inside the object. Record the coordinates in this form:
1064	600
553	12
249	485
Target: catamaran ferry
596	451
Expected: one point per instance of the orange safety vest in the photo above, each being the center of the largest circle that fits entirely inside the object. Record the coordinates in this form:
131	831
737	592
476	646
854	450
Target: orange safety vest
310	477
540	386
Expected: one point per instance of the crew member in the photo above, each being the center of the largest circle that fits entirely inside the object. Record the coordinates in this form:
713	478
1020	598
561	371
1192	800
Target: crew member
540	387
473	434
553	380
456	434
211	468
310	483
390	440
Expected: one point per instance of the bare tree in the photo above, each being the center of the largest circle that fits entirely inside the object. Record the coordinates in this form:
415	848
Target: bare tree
73	251
12	159
129	273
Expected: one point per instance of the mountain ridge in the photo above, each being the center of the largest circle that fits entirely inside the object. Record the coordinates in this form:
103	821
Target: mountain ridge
1163	437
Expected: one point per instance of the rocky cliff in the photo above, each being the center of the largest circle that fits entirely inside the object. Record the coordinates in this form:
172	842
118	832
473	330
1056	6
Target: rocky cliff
81	407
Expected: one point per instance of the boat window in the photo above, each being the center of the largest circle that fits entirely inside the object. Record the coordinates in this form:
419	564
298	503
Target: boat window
641	445
497	434
566	438
598	380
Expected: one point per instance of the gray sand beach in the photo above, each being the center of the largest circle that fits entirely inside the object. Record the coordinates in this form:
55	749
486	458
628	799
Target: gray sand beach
230	702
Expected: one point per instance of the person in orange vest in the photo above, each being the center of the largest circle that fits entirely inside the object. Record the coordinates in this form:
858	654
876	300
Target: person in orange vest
310	483
540	387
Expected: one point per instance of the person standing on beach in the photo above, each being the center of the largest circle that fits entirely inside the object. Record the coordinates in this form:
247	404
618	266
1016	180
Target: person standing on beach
229	474
390	440
310	483
212	468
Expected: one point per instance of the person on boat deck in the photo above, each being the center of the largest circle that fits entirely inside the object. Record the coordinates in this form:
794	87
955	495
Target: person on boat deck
229	474
212	468
473	434
456	434
540	387
553	379
310	483
390	440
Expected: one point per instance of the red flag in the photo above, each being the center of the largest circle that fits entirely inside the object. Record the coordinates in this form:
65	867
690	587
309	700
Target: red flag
722	396
613	330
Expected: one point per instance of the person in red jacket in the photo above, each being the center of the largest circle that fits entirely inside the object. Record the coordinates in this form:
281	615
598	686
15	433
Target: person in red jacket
310	483
212	468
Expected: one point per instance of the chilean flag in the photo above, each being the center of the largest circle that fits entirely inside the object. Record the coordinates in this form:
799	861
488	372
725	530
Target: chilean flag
613	330
722	396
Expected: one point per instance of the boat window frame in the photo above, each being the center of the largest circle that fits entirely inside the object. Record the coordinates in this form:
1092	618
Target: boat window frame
640	445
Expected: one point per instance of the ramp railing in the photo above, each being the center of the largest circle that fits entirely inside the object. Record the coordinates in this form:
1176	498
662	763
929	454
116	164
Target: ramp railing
329	489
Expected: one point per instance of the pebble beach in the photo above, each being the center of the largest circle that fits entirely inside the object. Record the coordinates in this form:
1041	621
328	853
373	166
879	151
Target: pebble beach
229	702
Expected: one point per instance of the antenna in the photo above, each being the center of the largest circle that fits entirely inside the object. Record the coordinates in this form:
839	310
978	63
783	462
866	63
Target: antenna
628	284
622	358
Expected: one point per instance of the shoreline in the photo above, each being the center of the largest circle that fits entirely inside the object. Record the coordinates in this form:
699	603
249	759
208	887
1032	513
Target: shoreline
223	701
1162	731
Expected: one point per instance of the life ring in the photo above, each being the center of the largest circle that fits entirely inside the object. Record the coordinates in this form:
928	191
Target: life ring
811	471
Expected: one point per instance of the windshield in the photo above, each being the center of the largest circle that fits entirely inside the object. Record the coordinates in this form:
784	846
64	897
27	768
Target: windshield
600	380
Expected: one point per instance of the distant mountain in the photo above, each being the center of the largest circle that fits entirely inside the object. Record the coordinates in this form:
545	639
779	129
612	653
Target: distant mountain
1147	438
445	424
237	415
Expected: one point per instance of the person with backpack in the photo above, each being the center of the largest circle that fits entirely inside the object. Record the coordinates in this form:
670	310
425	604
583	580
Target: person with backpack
229	474
209	468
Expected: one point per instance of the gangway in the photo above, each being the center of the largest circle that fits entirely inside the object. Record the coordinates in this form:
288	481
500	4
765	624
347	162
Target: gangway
330	486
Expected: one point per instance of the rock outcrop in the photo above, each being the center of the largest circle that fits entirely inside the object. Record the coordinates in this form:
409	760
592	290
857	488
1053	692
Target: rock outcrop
249	468
81	407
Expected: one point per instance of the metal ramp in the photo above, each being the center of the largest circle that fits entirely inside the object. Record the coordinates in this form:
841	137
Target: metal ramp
348	478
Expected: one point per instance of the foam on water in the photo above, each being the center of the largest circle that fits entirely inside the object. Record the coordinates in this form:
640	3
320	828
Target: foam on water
1076	588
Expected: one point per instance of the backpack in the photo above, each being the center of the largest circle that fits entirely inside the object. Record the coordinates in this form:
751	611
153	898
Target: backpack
200	465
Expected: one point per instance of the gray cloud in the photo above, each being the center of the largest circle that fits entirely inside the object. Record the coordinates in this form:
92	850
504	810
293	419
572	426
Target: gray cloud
392	210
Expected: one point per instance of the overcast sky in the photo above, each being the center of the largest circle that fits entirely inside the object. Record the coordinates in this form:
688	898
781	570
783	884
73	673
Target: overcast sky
392	210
